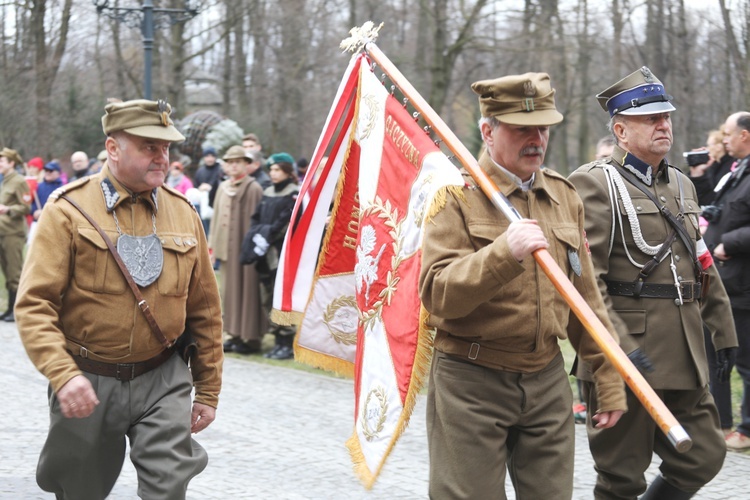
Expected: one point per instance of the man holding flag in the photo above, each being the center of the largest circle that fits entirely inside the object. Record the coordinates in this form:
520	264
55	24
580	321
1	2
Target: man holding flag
498	391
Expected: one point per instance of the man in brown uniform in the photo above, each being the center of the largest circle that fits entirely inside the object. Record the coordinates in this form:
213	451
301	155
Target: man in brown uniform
15	203
499	394
650	262
110	376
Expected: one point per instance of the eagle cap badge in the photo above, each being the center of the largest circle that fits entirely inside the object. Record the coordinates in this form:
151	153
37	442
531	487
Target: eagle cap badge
529	90
648	77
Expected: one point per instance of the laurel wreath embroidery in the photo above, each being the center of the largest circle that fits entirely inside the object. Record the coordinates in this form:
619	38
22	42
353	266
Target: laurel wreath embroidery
390	214
420	206
372	106
339	335
382	402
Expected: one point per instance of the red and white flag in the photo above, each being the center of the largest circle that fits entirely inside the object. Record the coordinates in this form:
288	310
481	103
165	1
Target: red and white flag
363	315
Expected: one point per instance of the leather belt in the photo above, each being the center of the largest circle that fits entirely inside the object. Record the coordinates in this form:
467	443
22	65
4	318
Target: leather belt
473	351
691	290
122	371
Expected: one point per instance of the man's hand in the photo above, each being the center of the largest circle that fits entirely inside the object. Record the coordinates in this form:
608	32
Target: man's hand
201	417
724	363
77	398
607	419
205	186
719	252
524	237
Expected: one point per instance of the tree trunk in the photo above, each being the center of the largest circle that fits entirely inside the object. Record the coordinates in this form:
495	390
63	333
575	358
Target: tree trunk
46	66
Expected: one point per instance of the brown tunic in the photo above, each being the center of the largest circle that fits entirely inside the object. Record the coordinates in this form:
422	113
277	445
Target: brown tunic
477	292
235	204
72	295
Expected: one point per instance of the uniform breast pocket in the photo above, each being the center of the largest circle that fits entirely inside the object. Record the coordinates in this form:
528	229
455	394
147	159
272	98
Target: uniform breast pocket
652	225
180	255
483	232
567	237
692	212
95	268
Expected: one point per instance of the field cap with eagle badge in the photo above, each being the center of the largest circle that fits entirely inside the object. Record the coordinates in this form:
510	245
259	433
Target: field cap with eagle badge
524	100
143	118
639	93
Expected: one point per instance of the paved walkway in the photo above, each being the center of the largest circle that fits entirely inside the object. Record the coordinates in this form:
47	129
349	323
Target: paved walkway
279	434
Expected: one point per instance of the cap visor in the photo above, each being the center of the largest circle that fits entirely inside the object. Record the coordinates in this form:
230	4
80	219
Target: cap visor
158	132
652	108
542	118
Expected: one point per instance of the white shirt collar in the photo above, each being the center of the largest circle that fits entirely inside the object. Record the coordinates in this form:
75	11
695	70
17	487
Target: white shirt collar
525	186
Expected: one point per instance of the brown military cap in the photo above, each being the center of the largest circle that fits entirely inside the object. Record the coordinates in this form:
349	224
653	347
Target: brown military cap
12	155
237	153
143	118
527	99
639	93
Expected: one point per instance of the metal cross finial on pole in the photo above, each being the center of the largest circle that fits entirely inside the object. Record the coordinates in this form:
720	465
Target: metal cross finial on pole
360	36
147	18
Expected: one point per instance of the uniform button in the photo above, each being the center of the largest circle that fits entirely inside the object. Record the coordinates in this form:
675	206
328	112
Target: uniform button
639	208
663	199
677	258
679	278
677	302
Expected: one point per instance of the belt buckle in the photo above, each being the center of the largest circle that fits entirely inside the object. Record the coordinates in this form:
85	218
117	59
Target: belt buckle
473	351
122	368
688	291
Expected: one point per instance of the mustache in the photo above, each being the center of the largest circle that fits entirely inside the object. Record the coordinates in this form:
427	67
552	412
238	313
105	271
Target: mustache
532	150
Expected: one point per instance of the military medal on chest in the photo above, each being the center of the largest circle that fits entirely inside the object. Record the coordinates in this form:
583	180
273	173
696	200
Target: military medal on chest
142	255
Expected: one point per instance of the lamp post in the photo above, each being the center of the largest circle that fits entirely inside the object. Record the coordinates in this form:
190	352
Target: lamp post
147	18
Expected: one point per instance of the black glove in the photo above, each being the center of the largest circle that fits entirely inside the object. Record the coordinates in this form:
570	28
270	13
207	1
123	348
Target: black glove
725	362
641	361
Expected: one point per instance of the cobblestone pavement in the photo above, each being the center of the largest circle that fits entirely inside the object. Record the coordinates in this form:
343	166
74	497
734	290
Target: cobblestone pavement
279	434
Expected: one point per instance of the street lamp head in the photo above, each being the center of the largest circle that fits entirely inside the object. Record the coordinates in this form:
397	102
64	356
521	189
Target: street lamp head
192	7
100	4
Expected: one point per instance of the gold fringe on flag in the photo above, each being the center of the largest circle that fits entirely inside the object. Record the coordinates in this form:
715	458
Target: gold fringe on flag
422	360
286	317
317	359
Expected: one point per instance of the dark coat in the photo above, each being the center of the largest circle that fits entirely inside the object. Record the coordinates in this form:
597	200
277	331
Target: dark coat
732	228
705	184
268	224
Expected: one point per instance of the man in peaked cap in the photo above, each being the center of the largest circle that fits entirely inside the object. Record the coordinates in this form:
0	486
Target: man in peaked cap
498	392
652	268
15	202
113	371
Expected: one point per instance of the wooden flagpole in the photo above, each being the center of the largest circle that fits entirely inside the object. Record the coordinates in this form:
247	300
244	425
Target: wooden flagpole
640	387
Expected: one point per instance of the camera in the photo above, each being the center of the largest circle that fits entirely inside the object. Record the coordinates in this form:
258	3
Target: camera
696	157
711	213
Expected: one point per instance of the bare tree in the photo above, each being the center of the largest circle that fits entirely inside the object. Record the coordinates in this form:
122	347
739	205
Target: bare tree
46	64
738	50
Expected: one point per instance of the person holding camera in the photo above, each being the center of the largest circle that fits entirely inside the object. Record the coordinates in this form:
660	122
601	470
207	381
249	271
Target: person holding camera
728	238
709	166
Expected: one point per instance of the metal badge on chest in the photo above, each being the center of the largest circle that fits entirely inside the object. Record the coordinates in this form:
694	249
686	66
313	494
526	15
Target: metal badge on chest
142	255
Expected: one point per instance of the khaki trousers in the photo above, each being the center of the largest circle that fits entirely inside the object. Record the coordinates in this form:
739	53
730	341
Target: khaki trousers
623	453
11	259
82	458
480	420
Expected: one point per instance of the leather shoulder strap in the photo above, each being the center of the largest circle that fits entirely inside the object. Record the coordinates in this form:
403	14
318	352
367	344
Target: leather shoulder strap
142	304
